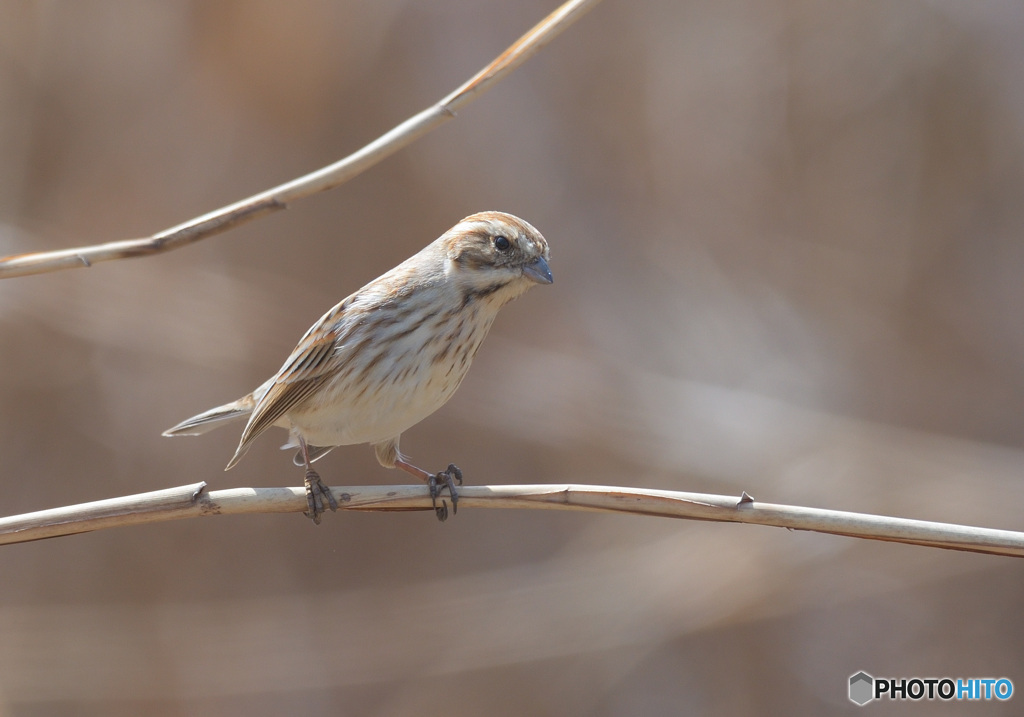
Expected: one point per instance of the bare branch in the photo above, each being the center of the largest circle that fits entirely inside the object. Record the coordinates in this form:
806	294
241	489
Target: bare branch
322	179
194	500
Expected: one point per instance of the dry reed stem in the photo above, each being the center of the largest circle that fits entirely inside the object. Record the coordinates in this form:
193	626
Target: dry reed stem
194	500
322	179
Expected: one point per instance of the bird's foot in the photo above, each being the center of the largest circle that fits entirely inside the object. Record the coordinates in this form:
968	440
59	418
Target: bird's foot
318	497
437	483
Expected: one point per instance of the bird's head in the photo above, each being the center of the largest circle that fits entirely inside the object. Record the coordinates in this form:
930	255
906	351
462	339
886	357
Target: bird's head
495	255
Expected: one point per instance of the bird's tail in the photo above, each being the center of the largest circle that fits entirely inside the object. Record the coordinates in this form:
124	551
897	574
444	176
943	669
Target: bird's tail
214	418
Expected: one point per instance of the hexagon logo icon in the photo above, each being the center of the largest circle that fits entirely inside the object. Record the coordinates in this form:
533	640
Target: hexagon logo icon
861	688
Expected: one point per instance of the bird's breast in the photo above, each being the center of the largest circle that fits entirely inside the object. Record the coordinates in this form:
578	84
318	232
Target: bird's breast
407	365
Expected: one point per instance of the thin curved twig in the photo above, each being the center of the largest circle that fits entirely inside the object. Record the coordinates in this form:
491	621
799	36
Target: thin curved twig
194	500
320	180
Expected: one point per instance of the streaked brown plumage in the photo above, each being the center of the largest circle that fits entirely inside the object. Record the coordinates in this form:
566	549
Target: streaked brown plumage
393	352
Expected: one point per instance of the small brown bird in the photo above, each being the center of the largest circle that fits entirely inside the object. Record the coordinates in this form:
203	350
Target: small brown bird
392	353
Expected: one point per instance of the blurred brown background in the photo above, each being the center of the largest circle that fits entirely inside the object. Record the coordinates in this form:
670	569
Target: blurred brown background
788	247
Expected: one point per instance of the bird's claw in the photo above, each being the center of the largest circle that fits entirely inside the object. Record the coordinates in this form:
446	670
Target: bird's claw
318	497
446	478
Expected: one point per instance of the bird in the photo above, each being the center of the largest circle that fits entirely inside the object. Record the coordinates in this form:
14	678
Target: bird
390	354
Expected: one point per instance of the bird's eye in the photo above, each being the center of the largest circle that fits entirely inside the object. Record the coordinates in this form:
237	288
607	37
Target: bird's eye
502	243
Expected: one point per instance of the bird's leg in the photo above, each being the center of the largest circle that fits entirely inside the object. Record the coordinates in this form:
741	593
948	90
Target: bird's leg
448	477
318	495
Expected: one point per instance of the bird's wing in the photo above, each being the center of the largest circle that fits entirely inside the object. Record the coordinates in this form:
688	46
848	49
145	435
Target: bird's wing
309	367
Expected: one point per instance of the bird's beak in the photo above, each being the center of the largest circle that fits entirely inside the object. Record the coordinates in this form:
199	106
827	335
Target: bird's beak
538	271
